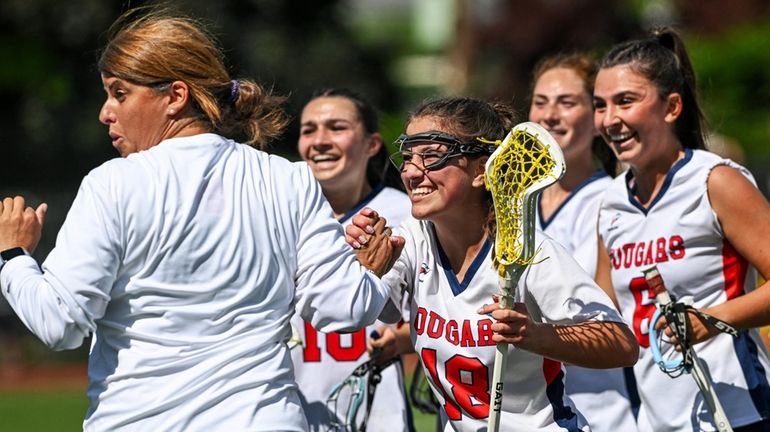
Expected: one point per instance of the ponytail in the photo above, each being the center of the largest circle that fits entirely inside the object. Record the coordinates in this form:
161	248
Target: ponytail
662	59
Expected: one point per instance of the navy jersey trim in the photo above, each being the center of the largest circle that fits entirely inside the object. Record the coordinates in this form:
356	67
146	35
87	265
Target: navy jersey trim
368	198
633	392
562	414
666	183
756	381
457	286
543	222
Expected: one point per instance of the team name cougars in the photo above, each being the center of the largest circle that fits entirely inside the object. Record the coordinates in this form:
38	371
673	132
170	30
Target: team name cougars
648	252
466	333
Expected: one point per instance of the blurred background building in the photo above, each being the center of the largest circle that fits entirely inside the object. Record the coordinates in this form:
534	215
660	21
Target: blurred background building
396	52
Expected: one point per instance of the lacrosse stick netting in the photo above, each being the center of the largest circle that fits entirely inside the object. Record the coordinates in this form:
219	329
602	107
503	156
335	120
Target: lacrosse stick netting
526	162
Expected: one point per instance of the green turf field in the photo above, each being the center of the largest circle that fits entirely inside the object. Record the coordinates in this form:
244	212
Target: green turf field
42	411
424	422
62	411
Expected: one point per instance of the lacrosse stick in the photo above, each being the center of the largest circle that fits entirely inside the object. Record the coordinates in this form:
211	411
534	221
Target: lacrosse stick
678	322
527	161
360	384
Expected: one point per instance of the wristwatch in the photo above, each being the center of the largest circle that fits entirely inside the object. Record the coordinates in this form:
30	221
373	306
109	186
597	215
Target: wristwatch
9	254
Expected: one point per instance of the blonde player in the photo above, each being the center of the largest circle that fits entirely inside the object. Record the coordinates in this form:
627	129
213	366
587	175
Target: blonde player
445	273
340	141
698	218
562	103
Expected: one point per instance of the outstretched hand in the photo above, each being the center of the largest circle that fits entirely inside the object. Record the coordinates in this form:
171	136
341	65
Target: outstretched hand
375	247
20	226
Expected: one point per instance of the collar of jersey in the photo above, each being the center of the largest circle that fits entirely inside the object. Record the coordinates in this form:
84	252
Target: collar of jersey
370	196
666	183
457	286
543	222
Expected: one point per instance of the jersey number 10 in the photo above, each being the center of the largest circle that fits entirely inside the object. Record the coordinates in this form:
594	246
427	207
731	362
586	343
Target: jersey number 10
312	352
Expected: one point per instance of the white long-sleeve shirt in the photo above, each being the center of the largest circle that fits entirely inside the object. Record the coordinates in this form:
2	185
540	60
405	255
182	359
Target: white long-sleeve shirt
186	262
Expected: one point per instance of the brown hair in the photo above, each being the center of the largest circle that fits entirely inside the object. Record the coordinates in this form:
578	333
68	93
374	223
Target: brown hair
154	47
468	118
582	64
662	58
585	67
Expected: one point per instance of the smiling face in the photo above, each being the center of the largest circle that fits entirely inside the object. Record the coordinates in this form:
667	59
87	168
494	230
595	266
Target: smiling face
335	144
445	193
137	116
562	105
632	117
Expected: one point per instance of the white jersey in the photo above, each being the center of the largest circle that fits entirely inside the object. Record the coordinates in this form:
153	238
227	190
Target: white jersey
186	261
324	360
601	395
455	343
680	234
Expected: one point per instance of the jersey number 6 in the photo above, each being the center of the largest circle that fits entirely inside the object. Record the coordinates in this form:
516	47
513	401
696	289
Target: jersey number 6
643	310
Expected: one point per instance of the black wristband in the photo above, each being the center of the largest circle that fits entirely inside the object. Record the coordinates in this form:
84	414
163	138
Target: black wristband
10	254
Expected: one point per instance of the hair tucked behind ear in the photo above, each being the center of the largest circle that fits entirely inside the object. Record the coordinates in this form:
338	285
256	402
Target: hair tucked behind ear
662	58
379	169
153	46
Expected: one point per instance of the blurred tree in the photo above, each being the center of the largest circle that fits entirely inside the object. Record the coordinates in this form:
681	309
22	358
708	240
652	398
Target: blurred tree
514	37
51	91
733	76
395	52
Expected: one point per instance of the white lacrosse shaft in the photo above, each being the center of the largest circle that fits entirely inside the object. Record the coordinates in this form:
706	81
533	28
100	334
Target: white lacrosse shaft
516	266
699	372
507	289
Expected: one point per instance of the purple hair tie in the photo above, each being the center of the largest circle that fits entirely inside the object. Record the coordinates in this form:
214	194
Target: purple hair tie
235	85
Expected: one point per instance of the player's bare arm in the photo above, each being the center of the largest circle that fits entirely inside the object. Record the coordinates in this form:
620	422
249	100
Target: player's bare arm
594	344
603	277
744	215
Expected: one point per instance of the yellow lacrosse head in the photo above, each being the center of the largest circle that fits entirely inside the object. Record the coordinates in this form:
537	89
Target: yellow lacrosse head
527	161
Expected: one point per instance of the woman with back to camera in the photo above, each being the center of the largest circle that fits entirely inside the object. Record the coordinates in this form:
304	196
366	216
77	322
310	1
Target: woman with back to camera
562	92
445	275
187	256
695	216
341	143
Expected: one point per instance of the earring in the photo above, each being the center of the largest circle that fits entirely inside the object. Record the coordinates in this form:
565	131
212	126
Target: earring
171	112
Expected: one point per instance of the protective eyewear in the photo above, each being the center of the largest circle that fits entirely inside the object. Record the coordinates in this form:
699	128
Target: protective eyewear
435	159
